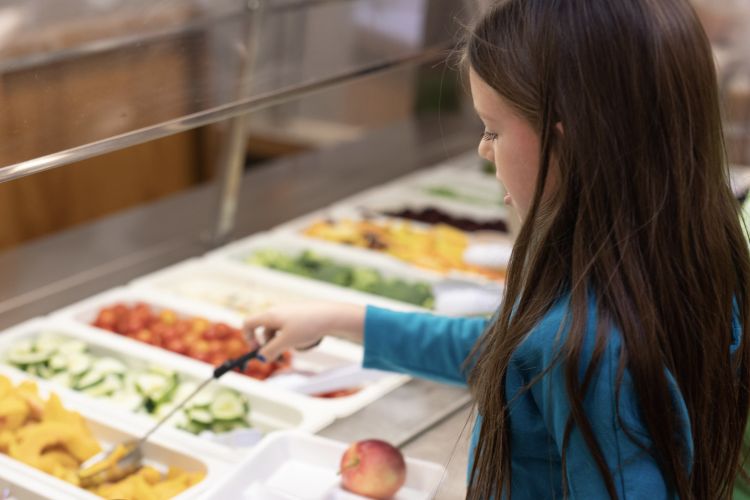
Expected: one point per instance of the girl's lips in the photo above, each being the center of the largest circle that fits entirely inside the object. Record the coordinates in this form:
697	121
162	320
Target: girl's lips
508	200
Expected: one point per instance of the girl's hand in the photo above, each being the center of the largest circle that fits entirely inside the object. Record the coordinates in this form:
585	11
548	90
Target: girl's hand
302	326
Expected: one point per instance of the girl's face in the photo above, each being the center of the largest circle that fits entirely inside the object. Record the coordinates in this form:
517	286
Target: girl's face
509	142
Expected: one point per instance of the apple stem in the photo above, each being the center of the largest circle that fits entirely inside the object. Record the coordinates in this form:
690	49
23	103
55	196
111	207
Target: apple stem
351	464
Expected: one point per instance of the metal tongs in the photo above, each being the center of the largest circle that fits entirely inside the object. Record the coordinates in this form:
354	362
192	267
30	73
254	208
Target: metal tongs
125	458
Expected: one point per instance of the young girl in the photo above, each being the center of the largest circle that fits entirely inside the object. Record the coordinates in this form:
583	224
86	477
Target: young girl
617	366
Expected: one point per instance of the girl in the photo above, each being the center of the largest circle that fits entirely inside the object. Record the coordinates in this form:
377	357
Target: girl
617	366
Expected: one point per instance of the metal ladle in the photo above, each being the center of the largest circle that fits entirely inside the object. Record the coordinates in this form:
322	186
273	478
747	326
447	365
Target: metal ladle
125	458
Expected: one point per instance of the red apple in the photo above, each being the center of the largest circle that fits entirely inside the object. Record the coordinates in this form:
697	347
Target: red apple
373	468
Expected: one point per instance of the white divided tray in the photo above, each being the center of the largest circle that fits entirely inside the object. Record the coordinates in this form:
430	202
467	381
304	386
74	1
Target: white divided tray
501	243
229	283
332	354
474	192
295	466
268	411
160	451
237	252
19	487
368	207
399	198
454	296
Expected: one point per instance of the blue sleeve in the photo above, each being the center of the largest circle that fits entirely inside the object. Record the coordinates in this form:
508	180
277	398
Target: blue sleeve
420	344
635	472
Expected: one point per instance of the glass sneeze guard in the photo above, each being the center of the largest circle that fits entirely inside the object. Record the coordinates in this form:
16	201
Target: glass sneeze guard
85	77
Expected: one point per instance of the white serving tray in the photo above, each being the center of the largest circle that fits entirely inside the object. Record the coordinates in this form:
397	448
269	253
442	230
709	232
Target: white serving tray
19	487
332	353
397	198
269	412
291	244
224	269
454	296
394	199
297	227
159	451
296	466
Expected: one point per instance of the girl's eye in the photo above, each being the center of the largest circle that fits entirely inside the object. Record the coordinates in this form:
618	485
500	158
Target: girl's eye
489	136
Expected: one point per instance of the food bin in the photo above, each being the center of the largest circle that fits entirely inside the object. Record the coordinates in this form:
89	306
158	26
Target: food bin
160	451
268	411
296	466
351	230
453	296
307	368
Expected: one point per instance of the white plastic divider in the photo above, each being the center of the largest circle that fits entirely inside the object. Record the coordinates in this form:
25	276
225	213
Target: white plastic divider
295	466
269	412
160	451
332	353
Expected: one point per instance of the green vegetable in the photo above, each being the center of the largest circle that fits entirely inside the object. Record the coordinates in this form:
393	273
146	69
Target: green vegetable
155	390
109	385
363	279
22	357
227	406
446	192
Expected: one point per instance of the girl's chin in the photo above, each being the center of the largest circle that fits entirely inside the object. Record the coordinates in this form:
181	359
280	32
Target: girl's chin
508	200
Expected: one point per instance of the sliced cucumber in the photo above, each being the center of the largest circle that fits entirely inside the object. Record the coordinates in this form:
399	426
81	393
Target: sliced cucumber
78	363
152	385
193	427
20	355
63	378
200	416
109	365
72	346
58	362
184	390
201	400
31	369
109	385
129	400
158	370
23	346
168	394
44	371
89	379
48	341
227	406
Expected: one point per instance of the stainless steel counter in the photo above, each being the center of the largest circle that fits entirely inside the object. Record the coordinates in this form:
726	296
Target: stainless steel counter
424	417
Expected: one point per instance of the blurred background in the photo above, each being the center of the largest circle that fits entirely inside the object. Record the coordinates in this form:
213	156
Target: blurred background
83	72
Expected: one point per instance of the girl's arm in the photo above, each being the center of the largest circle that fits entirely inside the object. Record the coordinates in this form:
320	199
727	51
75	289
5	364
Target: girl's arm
418	344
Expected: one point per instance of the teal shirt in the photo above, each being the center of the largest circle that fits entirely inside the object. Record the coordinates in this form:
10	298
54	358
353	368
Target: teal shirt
435	348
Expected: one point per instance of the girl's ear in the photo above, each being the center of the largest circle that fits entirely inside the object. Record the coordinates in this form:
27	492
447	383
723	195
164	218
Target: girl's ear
559	127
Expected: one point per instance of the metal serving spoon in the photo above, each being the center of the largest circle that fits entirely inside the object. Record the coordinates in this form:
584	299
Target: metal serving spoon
125	458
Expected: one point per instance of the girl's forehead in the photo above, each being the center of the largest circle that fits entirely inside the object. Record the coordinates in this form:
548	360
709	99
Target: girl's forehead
488	104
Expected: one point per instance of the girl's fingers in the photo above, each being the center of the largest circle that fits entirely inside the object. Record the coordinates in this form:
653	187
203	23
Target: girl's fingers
269	323
266	319
273	348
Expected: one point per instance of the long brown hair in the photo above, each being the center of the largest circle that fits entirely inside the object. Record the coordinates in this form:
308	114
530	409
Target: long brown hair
642	219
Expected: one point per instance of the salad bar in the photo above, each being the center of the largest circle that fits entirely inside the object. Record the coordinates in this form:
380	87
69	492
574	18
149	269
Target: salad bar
102	371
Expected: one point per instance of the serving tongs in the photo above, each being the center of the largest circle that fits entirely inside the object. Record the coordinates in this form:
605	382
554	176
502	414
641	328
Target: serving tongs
125	458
